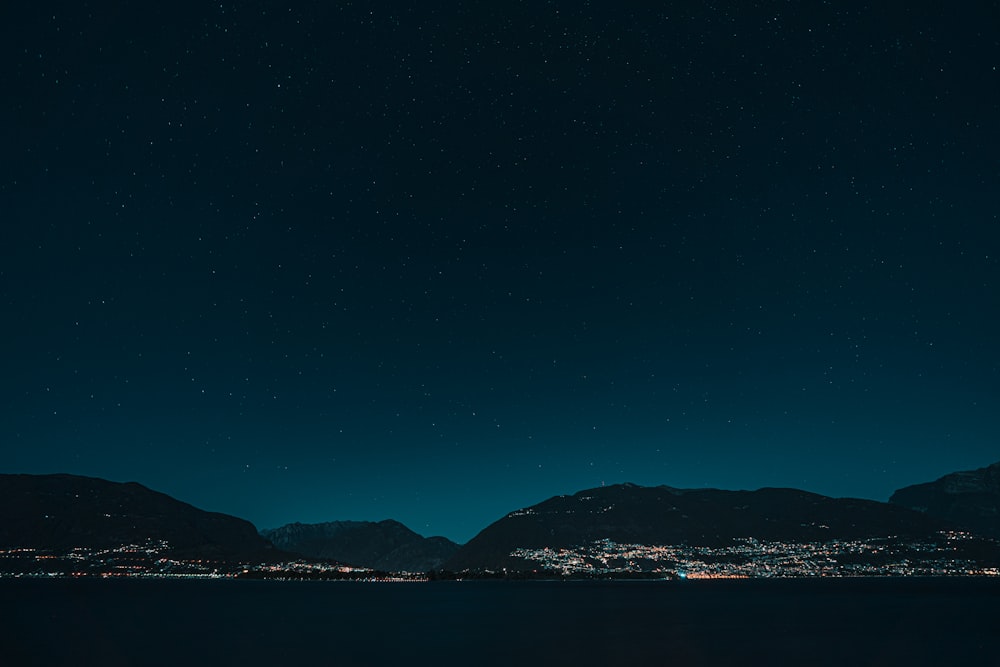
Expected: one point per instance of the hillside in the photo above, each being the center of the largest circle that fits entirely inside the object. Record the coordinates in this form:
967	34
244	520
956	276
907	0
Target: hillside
59	512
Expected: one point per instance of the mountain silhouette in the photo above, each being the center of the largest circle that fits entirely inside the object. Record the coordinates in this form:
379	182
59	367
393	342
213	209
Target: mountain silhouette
385	545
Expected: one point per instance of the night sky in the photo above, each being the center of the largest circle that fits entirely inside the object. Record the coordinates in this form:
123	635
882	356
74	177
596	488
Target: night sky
437	261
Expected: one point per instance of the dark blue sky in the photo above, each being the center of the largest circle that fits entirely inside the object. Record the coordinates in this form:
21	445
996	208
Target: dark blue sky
327	261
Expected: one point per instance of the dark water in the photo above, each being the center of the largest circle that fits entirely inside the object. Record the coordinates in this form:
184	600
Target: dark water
840	622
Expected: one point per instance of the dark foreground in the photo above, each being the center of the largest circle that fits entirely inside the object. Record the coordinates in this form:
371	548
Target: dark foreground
825	622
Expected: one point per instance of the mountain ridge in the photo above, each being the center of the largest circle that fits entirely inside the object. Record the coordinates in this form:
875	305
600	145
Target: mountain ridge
61	512
380	545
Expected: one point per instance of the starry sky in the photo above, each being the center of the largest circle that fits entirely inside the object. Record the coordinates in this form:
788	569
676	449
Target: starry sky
437	261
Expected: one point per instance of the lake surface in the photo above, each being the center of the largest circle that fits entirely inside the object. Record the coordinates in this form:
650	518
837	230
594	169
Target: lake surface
824	622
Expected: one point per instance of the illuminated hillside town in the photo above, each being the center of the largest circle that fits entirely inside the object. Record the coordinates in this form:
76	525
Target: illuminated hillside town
752	558
745	558
151	560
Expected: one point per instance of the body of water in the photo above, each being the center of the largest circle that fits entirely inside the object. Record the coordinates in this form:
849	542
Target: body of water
756	622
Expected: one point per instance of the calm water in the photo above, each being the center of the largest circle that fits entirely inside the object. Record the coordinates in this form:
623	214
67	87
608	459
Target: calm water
856	622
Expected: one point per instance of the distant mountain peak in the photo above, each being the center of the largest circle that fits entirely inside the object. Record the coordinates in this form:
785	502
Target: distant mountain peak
380	545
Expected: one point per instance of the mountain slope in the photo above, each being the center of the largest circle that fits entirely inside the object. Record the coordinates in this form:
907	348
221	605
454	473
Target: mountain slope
385	545
64	511
663	515
970	499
